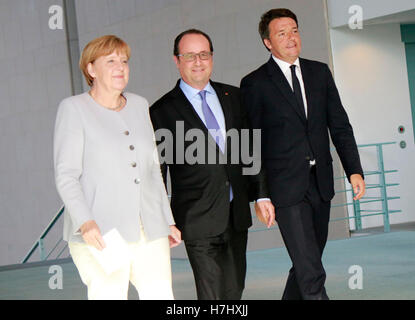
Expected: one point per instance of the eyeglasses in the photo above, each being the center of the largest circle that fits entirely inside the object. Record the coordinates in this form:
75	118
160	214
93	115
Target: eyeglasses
189	57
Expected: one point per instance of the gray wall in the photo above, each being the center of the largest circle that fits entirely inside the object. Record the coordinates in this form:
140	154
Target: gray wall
150	27
35	62
35	77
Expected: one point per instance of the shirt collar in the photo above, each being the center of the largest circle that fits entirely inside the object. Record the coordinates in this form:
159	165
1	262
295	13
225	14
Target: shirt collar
191	92
284	66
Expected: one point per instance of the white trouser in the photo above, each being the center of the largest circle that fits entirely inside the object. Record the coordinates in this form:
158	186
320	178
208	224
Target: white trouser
149	271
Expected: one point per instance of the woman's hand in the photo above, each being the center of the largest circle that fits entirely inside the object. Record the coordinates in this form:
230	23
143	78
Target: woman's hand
92	235
175	237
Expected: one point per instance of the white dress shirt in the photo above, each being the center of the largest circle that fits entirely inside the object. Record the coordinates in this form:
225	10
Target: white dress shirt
285	68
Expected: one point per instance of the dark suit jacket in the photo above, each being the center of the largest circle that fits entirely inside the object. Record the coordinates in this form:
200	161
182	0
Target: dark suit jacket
200	192
289	139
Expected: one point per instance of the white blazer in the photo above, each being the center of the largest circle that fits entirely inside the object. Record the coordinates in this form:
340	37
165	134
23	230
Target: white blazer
107	169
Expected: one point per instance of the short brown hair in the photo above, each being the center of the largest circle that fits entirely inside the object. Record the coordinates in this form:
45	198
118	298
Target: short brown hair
99	47
190	31
270	15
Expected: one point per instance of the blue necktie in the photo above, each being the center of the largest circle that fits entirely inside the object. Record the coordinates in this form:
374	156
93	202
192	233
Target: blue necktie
212	124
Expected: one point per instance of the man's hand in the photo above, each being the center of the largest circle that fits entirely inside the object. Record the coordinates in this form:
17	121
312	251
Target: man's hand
92	235
265	212
358	185
175	237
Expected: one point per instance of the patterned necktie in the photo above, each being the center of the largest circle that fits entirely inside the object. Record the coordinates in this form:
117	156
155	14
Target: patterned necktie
297	90
212	124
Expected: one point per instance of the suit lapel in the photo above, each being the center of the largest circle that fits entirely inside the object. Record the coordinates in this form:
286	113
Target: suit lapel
185	108
282	84
225	102
307	75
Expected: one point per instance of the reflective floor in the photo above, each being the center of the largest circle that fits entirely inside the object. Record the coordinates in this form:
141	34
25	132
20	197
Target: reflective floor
369	265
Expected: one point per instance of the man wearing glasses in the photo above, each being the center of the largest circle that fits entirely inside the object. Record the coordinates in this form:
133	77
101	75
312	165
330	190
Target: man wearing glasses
210	199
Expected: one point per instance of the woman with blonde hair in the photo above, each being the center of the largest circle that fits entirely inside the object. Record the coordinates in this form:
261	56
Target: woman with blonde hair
109	178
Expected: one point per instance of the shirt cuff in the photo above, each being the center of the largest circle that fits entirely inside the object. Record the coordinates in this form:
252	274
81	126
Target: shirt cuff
263	199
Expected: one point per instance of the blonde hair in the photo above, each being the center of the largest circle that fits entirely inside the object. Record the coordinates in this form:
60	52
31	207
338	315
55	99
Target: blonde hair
99	47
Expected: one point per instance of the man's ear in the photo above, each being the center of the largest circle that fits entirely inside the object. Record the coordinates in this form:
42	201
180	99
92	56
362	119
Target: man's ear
176	61
267	44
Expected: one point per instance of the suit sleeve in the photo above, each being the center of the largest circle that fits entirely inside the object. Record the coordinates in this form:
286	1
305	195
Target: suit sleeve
251	119
251	102
341	131
68	148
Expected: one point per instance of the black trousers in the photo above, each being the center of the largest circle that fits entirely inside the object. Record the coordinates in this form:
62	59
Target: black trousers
219	264
304	228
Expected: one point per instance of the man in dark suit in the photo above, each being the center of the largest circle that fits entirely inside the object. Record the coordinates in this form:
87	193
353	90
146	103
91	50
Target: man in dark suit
295	103
210	196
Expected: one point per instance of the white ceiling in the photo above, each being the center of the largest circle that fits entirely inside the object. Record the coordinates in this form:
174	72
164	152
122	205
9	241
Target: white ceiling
406	17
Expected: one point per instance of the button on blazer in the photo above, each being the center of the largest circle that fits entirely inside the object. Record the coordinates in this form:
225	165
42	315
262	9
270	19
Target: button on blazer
107	169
